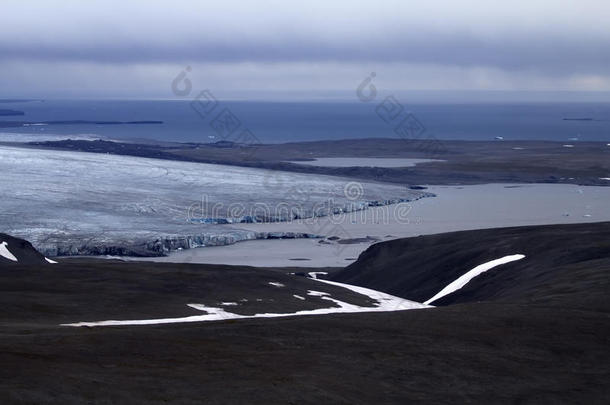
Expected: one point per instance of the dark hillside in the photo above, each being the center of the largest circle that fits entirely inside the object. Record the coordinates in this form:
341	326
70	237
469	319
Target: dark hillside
567	262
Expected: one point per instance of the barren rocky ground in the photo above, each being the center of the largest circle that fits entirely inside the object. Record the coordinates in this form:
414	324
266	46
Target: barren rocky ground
535	330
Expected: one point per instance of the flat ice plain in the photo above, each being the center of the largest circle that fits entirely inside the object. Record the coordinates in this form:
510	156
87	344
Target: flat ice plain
62	200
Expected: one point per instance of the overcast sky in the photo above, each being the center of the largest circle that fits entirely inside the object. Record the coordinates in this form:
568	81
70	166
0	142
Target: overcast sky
261	49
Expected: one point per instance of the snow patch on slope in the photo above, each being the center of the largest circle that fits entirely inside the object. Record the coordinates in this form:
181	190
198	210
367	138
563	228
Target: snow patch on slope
4	252
465	278
384	303
276	284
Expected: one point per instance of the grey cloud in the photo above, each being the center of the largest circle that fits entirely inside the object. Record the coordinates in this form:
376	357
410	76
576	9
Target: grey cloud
545	54
564	37
538	43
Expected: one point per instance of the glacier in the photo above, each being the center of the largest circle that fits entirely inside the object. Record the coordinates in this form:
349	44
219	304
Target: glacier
79	203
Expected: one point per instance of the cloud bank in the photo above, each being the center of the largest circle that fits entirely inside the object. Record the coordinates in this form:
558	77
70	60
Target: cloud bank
135	48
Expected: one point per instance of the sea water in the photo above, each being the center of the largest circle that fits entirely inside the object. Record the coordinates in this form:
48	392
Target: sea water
278	122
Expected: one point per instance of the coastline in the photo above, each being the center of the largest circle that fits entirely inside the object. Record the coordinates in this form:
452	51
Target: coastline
162	246
462	162
153	238
453	209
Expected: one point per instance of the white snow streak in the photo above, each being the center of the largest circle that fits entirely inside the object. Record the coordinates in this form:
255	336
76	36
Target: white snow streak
316	293
4	252
276	284
465	278
50	261
385	303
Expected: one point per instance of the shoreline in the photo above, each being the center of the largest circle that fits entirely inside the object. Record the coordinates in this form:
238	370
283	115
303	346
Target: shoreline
158	240
337	240
463	162
453	209
164	246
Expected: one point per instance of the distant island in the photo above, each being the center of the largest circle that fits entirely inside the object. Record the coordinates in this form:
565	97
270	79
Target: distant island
6	113
578	119
18	100
12	124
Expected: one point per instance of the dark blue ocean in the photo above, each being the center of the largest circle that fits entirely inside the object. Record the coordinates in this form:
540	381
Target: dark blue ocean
276	122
